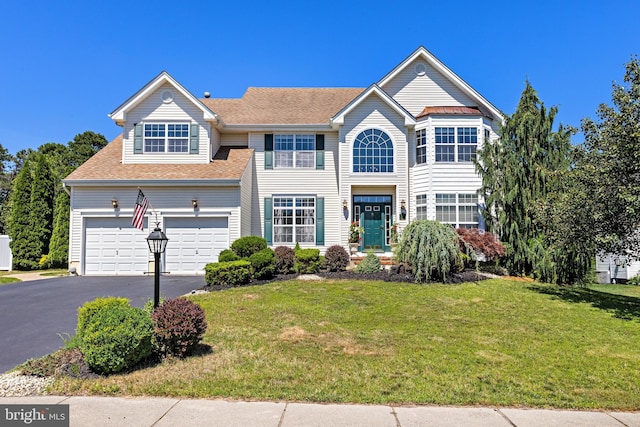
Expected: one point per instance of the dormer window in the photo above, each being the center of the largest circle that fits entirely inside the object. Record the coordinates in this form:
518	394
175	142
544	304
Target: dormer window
166	138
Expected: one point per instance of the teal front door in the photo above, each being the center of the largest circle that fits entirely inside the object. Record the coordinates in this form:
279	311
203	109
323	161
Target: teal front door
373	214
373	230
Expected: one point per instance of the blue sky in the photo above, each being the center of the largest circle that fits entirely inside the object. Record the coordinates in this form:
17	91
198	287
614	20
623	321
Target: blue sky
67	64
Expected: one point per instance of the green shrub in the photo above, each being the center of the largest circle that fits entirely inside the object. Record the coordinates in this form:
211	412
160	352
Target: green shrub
228	255
430	248
370	264
307	261
336	258
228	274
284	259
246	246
263	263
178	326
89	309
117	339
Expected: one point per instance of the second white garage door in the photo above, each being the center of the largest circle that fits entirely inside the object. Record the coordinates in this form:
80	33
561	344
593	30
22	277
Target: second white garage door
194	242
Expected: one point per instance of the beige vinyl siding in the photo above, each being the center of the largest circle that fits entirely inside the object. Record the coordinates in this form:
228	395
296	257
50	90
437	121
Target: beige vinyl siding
299	181
373	113
234	140
246	193
165	201
215	140
414	92
153	109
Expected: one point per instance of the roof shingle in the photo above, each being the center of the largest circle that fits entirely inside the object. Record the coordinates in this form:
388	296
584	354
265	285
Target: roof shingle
274	106
228	163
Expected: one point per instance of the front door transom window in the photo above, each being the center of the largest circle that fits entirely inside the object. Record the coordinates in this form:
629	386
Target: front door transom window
372	152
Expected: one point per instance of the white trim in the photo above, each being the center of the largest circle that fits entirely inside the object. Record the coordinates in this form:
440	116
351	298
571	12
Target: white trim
338	120
431	59
119	114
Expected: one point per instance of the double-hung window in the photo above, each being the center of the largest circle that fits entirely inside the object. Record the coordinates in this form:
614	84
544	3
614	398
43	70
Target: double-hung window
294	220
467	144
421	206
421	146
456	144
166	138
294	151
445	144
459	210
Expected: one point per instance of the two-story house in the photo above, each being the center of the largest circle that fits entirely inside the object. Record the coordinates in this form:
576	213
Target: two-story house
293	165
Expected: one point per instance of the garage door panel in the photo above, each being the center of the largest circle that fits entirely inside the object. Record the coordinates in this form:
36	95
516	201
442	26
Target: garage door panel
113	247
194	242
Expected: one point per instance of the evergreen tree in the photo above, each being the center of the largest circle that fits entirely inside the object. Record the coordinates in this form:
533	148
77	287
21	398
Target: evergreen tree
41	205
23	248
59	245
517	174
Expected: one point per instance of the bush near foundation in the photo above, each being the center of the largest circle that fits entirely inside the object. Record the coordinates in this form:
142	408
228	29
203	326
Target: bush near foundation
178	326
284	259
336	258
431	249
307	261
227	255
246	246
370	264
228	274
263	263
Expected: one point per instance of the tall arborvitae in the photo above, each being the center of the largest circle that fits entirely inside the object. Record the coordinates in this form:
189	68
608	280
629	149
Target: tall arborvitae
42	204
516	173
59	245
25	256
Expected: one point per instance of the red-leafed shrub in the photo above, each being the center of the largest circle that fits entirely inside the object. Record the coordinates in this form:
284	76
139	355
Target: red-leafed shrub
336	258
179	325
482	242
285	257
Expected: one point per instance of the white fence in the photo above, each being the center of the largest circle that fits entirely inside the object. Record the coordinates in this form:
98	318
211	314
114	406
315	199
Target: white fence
6	258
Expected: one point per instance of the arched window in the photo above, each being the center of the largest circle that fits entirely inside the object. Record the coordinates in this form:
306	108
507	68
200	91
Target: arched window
372	152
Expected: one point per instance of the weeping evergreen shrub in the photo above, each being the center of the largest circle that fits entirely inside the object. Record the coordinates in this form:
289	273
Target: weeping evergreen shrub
431	249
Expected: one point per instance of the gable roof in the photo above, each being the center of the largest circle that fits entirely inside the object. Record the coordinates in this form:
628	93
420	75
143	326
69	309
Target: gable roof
374	89
227	168
118	115
490	109
281	106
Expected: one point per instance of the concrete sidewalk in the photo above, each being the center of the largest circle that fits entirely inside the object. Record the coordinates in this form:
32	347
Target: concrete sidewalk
161	412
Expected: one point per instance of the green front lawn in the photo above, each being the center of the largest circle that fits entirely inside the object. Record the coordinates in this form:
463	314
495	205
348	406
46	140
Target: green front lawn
497	342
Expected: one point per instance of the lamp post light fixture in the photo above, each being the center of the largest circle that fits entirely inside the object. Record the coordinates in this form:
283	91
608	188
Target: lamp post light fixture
157	242
403	210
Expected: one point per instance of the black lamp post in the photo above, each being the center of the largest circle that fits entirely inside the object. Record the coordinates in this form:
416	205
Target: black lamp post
157	242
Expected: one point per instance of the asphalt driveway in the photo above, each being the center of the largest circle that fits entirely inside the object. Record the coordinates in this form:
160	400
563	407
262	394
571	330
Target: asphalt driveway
36	315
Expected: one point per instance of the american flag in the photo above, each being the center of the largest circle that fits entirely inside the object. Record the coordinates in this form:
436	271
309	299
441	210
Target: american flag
138	212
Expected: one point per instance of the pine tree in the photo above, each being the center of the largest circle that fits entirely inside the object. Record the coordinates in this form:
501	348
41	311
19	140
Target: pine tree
41	205
516	175
22	244
59	245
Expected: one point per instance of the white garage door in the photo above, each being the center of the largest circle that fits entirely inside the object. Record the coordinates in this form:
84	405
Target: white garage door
194	242
114	247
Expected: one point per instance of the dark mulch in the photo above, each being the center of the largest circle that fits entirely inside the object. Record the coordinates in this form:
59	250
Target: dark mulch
396	274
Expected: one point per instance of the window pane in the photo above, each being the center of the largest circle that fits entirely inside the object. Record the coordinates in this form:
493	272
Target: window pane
372	152
283	159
